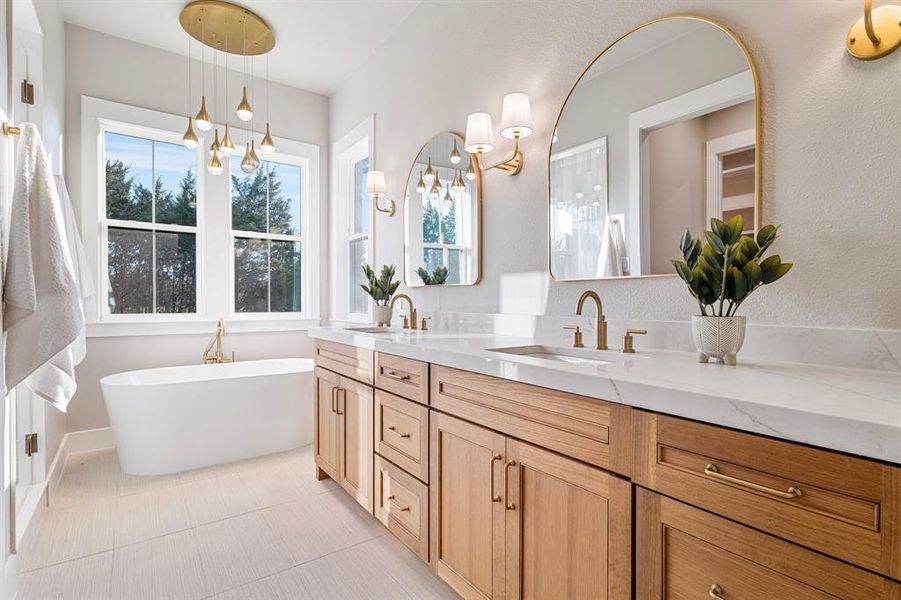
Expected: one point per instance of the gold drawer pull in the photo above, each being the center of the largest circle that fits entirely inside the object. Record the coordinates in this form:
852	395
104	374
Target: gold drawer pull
510	463
713	471
393	430
494	497
716	591
399	507
394	375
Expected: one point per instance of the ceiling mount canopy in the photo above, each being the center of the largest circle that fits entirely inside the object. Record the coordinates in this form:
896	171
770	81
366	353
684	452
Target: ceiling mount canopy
227	27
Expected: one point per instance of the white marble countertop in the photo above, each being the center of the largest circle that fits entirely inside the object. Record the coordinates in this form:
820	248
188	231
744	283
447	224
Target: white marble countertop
850	410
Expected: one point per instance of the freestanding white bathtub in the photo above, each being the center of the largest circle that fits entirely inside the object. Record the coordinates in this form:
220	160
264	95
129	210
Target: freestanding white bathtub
179	418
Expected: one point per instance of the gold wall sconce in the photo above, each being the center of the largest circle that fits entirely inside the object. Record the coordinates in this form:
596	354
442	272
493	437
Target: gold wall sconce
377	189
877	33
516	124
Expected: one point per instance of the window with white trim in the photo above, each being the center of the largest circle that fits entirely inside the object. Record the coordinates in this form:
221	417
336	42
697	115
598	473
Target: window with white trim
149	233
352	222
267	236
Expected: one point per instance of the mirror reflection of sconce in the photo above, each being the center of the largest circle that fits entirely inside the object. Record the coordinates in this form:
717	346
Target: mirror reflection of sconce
877	33
516	123
377	189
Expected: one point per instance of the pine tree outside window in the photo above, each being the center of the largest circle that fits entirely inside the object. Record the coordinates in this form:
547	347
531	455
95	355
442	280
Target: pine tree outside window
149	226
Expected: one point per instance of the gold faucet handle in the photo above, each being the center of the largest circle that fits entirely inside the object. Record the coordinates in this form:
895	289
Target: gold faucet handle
577	336
425	323
628	342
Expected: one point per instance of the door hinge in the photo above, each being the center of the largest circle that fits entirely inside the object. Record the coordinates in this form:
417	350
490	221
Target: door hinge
27	92
31	444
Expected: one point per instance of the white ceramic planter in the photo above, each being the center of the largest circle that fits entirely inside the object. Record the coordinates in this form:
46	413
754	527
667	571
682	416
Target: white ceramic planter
719	338
382	315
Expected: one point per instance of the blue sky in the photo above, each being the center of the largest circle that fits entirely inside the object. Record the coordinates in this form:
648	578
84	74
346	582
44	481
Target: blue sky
170	161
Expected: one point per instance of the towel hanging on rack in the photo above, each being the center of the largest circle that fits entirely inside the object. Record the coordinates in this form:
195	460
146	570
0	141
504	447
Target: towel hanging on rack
42	312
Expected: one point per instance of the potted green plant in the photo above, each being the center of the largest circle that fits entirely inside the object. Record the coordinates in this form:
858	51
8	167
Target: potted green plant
721	274
381	289
436	277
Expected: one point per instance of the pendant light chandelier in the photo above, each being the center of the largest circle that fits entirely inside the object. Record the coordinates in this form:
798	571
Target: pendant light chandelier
230	29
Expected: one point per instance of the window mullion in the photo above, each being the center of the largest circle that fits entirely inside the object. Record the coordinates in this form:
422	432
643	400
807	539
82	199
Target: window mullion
153	219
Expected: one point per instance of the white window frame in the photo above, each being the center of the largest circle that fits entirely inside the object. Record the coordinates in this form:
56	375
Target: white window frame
214	243
306	264
356	145
158	135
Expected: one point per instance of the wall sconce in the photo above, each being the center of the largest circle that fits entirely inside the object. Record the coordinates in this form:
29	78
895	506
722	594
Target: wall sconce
516	123
377	189
877	33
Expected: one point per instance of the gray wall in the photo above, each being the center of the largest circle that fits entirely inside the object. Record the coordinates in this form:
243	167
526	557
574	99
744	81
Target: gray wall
115	69
830	148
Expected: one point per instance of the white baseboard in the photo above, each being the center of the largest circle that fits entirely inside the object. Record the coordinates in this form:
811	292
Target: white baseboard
76	442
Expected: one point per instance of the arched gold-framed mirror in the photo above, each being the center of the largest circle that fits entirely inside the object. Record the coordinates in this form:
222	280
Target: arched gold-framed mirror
659	133
443	215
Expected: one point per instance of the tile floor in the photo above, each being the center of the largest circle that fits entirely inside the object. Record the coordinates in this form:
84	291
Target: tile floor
262	528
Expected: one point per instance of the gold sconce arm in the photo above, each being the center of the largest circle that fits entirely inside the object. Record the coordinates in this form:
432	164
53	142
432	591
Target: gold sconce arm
877	33
389	210
10	129
511	164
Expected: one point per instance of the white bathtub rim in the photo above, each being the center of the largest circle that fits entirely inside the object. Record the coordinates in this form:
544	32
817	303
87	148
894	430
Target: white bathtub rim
221	371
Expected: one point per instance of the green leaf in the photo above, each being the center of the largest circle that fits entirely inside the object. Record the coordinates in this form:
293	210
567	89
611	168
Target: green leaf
770	262
776	273
716	242
686	243
766	236
753	274
683	270
718	227
733	229
737	284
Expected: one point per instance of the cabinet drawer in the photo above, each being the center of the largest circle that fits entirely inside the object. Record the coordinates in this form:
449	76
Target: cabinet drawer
846	507
594	431
402	376
684	553
402	505
349	361
402	433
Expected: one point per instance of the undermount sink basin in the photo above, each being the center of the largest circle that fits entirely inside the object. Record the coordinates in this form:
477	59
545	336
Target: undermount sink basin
369	329
574	356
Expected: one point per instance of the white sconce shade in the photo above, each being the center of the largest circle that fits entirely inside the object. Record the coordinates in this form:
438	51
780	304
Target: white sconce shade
516	116
479	133
375	184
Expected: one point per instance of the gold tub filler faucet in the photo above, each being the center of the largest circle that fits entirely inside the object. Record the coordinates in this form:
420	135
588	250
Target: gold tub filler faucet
211	356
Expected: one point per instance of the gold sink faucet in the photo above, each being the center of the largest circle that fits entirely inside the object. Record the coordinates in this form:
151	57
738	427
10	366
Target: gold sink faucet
409	322
216	357
602	322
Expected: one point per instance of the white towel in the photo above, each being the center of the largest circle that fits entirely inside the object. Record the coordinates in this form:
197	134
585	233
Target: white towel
609	263
53	381
42	306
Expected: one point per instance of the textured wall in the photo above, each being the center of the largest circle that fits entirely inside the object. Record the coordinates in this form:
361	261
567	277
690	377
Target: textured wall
831	148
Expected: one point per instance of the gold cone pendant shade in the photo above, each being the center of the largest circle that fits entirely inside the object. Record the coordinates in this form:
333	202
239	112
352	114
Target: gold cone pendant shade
455	155
247	163
429	173
267	146
226	146
244	112
253	155
457	184
203	120
214	147
215	165
448	199
420	185
470	172
189	139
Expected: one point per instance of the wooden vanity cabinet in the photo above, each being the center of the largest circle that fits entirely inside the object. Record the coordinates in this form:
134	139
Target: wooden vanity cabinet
343	434
511	520
686	553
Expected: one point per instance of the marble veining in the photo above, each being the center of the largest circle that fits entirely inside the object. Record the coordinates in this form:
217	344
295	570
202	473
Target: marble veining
840	408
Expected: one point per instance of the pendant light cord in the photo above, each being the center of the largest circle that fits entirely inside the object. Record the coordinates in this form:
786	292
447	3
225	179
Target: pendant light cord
267	88
189	75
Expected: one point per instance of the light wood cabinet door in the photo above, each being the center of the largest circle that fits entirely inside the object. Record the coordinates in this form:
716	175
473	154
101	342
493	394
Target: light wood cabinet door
354	407
467	507
327	433
568	528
